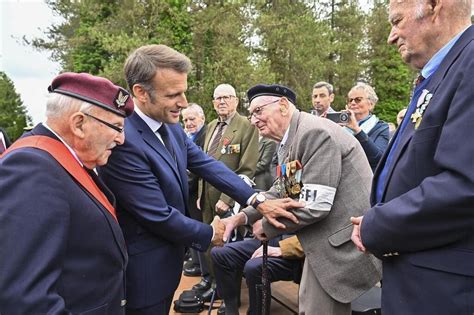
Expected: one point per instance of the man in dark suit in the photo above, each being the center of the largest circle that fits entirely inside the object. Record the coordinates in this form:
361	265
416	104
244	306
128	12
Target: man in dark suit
148	175
421	223
61	246
4	140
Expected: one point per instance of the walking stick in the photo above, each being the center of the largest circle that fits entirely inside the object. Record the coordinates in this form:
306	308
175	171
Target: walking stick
265	283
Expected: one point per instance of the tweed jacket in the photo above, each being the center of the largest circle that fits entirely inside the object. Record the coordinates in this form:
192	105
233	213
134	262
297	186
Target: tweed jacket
333	163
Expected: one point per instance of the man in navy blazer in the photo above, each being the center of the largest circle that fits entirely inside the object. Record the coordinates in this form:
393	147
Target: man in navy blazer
421	223
61	247
148	176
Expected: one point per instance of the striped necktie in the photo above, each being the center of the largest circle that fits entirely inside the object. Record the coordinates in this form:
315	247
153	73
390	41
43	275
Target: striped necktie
217	138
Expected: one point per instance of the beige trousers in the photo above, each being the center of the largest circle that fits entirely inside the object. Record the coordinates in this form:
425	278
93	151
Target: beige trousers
313	300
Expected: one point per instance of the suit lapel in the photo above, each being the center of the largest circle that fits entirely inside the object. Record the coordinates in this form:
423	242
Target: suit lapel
210	128
152	140
283	156
229	134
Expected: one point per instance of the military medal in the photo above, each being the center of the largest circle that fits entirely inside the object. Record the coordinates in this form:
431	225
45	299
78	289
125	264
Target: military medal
225	146
421	105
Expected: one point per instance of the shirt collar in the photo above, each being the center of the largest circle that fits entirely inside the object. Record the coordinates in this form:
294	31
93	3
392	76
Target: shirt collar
285	137
62	140
228	120
436	60
153	124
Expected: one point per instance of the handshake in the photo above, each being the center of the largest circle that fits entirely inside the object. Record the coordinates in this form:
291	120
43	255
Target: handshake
223	228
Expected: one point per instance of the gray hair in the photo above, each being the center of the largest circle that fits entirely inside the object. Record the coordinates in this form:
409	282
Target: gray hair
226	88
371	95
59	105
460	8
193	107
142	64
321	84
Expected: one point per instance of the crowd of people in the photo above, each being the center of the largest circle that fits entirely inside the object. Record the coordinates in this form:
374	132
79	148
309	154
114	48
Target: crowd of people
100	202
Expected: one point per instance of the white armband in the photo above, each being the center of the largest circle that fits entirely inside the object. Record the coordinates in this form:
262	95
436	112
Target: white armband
317	197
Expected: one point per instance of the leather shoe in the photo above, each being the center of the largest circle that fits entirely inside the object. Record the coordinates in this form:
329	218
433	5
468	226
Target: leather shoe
204	285
206	296
221	309
192	271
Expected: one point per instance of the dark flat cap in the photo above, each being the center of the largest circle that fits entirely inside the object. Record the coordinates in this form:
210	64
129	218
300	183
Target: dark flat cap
95	90
271	90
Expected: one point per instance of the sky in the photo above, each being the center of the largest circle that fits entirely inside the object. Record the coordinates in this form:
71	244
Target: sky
31	71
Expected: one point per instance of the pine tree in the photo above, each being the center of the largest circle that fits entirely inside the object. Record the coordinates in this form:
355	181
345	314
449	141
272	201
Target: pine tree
13	114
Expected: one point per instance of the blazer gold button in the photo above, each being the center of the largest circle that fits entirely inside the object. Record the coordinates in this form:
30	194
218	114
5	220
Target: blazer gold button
123	302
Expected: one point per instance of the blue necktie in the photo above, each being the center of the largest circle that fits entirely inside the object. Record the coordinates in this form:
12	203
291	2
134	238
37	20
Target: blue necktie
166	140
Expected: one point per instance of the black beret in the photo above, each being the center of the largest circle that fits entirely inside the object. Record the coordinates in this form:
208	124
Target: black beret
95	90
271	90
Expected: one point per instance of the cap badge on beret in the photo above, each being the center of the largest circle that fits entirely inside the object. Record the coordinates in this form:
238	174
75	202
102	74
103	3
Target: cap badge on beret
121	99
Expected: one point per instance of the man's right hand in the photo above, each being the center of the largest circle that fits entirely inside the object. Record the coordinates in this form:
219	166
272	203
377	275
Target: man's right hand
276	208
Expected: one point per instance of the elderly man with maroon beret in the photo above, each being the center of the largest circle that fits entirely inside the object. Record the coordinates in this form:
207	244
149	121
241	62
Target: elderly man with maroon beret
61	248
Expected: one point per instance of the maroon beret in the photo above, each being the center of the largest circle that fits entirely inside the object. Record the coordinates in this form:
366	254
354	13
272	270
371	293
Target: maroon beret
95	90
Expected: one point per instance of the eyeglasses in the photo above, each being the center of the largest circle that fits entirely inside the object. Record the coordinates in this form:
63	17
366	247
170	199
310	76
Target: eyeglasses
224	98
357	100
116	128
257	112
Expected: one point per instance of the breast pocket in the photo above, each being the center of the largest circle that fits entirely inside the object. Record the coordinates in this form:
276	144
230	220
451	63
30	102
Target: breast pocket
423	146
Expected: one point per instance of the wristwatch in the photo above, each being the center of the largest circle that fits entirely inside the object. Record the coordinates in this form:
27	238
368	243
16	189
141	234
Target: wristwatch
259	198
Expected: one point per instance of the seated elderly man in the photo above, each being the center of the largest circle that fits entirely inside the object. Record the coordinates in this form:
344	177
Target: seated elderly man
324	167
62	249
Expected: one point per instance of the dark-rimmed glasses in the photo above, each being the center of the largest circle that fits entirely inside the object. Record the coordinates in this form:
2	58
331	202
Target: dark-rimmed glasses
357	100
224	98
258	110
116	128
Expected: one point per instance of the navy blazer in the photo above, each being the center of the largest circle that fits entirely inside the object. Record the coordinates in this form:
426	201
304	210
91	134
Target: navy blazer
152	195
375	142
61	251
424	227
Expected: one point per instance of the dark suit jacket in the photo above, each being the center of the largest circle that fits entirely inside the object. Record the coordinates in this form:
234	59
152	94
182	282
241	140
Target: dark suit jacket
263	172
425	223
239	132
61	251
152	197
375	142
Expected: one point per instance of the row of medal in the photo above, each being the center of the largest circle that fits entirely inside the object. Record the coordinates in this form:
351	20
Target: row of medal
288	182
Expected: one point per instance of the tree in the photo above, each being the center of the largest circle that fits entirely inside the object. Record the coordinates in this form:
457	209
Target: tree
389	75
13	114
294	44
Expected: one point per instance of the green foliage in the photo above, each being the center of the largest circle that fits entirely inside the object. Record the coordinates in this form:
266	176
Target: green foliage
13	117
389	76
295	43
